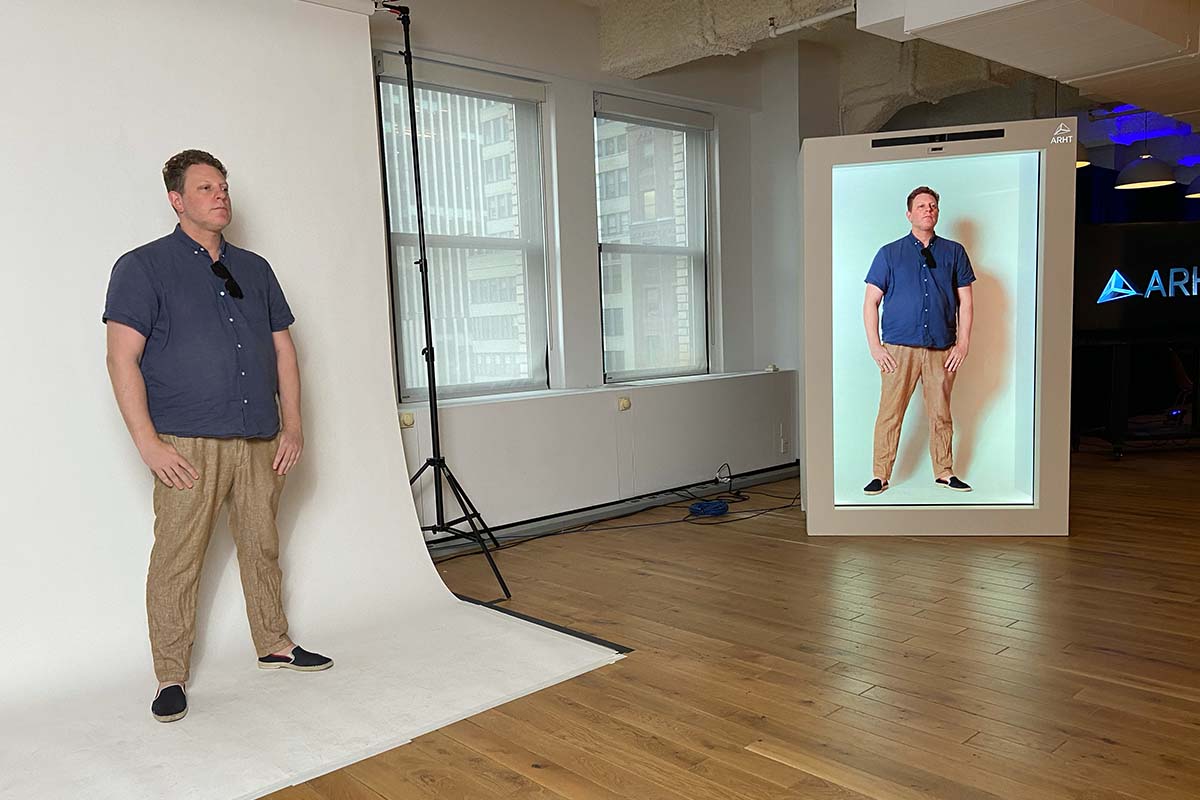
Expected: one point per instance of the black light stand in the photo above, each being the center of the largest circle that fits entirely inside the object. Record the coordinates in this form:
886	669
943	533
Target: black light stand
447	529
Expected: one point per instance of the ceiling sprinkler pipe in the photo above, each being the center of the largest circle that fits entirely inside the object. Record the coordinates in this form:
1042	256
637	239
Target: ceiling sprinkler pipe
774	31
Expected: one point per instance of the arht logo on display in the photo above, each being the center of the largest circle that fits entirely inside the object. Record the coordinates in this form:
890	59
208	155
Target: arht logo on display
1062	135
1180	280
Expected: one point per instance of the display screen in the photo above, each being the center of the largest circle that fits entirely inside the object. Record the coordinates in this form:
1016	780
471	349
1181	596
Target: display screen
921	421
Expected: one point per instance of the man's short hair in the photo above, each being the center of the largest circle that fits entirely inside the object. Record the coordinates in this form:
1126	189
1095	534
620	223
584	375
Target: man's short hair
177	165
911	195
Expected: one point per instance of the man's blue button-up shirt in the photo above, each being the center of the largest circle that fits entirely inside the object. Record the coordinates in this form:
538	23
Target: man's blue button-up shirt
209	359
920	301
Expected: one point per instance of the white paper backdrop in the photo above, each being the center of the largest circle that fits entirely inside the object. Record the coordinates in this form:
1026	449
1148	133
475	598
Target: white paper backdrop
95	98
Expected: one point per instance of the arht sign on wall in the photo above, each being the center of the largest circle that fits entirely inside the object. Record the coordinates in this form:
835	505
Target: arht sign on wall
1138	278
1181	281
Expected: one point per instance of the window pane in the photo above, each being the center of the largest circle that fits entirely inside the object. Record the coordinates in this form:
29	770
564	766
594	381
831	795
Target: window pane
468	154
480	181
656	324
662	171
651	197
481	316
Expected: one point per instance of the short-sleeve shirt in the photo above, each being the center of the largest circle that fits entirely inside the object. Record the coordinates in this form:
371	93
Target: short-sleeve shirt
209	359
920	302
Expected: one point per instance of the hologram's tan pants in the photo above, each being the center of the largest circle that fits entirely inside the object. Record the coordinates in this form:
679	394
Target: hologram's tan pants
239	469
913	364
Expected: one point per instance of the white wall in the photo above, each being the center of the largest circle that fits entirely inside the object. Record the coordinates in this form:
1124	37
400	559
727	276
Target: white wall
557	454
800	99
282	91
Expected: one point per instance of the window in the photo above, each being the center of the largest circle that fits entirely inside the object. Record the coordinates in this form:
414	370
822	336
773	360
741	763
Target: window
495	328
614	224
611	145
497	169
499	206
494	290
613	183
495	130
611	278
487	270
653	244
614	322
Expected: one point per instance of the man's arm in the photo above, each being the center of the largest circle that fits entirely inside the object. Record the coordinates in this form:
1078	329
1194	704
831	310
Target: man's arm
125	346
966	317
291	434
871	322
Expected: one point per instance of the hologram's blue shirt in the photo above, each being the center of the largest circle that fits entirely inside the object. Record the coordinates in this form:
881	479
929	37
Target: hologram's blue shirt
920	304
209	360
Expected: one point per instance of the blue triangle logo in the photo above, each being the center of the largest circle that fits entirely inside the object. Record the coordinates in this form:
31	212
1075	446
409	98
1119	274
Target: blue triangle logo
1117	289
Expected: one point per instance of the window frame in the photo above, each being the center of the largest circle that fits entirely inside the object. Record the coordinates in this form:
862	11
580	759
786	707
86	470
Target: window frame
703	159
534	241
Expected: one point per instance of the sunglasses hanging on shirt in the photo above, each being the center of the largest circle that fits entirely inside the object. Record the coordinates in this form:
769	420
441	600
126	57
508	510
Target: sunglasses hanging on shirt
927	254
231	286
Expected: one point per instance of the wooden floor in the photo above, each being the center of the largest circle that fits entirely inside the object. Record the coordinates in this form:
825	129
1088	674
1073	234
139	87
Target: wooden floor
772	665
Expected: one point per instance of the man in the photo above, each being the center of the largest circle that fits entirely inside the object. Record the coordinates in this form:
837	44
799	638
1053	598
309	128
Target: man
924	283
198	349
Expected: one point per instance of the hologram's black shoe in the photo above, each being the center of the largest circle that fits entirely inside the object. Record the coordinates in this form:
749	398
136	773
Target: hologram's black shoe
953	483
876	486
169	704
300	660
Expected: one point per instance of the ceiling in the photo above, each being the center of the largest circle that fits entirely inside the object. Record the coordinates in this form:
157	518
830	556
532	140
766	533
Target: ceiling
1143	53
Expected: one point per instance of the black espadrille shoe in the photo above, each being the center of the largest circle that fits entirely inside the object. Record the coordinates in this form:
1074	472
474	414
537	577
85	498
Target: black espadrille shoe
300	660
876	486
953	483
169	704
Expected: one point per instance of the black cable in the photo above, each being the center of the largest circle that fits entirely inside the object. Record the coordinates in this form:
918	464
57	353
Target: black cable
733	516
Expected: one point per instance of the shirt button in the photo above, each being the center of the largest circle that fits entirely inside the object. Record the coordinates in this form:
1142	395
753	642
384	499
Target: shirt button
231	319
221	293
243	374
239	345
244	401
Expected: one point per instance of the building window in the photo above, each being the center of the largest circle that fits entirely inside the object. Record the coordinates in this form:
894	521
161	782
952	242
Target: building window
487	268
497	169
495	130
653	263
613	320
611	145
495	328
616	224
612	183
611	277
500	206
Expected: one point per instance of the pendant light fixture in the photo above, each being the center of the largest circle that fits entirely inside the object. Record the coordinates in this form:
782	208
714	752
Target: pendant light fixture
1145	171
1193	189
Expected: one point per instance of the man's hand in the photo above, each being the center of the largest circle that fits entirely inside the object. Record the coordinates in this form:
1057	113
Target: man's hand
883	358
291	444
955	356
166	462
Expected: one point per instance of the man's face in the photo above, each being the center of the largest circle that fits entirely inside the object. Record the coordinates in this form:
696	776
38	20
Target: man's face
924	212
204	200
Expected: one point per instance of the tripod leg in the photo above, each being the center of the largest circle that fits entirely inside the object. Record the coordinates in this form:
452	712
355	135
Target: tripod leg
495	569
477	531
468	507
417	475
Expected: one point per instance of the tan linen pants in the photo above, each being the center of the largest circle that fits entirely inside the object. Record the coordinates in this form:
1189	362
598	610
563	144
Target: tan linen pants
238	469
929	367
